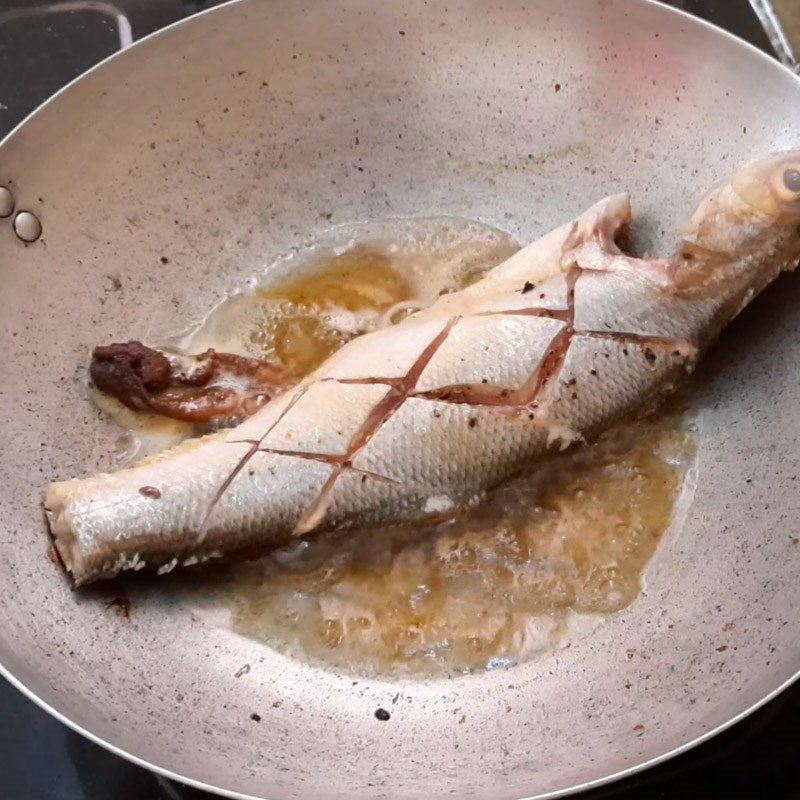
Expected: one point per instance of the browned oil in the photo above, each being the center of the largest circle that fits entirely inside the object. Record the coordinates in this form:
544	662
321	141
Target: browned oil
357	279
302	341
494	585
362	278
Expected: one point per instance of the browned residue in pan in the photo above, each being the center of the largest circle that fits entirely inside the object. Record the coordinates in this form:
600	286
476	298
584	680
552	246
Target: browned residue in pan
215	387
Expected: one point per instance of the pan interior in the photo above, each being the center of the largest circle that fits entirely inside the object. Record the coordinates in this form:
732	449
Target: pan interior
220	143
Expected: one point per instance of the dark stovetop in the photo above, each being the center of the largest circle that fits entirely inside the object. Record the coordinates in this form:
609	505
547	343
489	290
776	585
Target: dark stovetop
40	759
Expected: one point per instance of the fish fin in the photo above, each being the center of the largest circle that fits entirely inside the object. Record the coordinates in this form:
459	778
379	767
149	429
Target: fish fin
608	229
593	256
695	266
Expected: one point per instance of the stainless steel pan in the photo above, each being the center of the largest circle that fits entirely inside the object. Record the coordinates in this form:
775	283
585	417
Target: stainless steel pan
221	141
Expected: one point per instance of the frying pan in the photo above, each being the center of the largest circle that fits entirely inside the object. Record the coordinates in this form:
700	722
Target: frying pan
220	142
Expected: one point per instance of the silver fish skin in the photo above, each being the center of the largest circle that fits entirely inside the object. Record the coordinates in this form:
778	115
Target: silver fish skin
547	349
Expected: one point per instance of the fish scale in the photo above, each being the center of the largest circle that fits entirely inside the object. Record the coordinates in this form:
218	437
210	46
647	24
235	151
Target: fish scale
545	350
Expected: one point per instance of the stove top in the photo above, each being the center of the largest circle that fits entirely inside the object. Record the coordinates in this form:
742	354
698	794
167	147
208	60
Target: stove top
43	46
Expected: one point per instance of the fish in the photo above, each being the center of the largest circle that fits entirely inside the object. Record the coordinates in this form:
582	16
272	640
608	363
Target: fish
544	351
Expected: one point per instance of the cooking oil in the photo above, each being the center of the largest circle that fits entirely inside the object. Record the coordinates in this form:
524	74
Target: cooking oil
493	585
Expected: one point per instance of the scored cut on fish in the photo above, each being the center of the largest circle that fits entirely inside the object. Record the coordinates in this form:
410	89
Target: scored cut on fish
548	348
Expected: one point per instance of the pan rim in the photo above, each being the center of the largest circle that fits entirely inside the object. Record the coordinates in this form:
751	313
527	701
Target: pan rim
566	792
169	774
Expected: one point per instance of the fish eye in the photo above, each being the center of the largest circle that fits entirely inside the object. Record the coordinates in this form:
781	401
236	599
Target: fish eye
791	180
785	184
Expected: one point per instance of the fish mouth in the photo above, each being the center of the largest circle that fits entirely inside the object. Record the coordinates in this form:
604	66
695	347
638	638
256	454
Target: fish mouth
64	550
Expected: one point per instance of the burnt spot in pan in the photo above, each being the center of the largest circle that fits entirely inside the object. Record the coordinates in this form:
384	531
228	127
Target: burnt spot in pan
382	715
121	604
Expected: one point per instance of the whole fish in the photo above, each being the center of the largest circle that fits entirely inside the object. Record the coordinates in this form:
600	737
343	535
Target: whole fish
549	347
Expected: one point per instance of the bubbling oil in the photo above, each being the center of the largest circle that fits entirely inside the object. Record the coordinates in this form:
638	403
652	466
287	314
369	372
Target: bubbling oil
360	279
494	585
355	279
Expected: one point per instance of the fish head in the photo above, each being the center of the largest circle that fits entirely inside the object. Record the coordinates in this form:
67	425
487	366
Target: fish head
770	186
748	228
